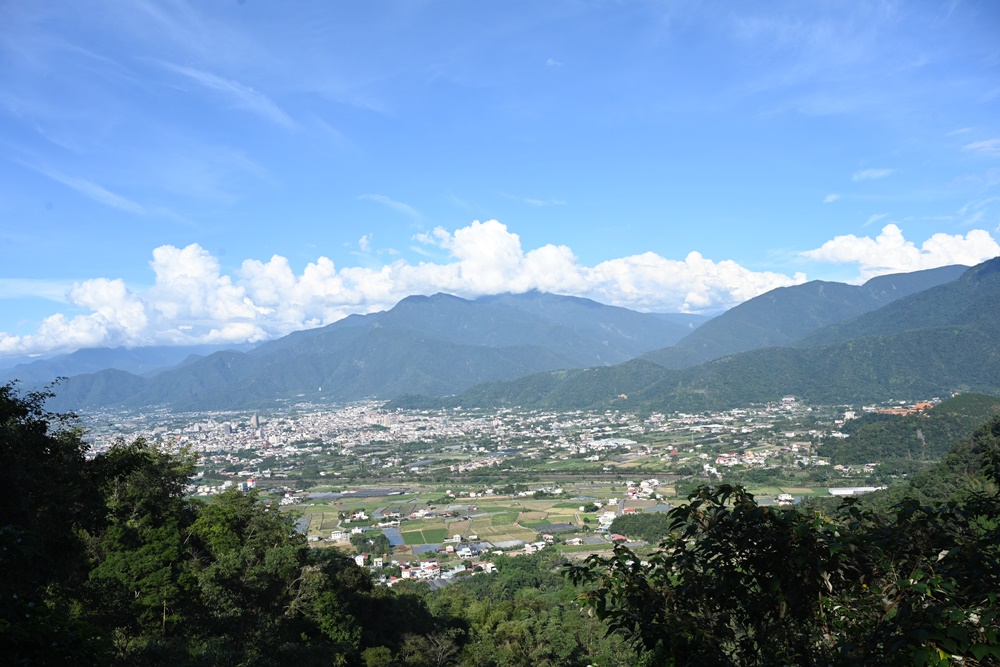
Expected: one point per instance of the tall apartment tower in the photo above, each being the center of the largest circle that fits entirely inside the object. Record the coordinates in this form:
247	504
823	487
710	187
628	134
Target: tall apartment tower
255	421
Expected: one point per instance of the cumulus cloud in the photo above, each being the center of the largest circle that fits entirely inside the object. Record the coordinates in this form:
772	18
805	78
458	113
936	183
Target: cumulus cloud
192	300
890	252
870	174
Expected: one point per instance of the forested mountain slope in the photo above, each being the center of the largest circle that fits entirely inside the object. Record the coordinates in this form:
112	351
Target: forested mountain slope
435	345
785	315
926	353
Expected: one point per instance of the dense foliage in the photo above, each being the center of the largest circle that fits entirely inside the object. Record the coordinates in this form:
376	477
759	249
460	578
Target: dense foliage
104	561
741	584
649	526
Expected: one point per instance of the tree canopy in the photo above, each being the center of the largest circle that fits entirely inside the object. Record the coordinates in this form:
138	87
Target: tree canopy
737	583
105	560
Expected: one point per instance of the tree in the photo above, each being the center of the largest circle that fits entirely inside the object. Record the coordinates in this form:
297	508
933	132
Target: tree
740	584
45	497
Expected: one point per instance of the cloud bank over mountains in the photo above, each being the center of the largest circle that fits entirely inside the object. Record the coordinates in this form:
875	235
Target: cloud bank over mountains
889	252
193	301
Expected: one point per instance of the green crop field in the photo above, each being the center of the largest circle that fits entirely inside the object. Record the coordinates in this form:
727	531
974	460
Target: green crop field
413	537
427	536
434	535
503	518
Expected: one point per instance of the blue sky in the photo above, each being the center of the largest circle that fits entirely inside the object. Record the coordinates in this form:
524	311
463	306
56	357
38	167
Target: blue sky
179	172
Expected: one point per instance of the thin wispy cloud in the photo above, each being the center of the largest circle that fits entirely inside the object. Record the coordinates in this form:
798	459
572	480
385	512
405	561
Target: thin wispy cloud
420	251
973	212
20	288
399	206
102	195
830	198
93	191
989	147
552	62
870	174
534	201
872	219
243	96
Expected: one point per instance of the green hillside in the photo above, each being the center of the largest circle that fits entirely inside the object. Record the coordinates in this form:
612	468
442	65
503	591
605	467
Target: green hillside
785	315
920	437
972	299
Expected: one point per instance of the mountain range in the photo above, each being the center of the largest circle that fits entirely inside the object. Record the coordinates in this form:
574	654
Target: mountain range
906	335
139	361
436	344
786	315
928	343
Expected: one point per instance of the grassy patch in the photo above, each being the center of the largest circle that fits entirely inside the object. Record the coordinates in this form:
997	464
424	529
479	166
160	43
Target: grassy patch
434	535
413	537
503	518
504	534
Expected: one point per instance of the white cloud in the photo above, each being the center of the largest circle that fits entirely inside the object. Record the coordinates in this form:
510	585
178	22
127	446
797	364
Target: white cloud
889	252
102	195
365	243
192	301
534	201
399	206
830	198
94	191
870	174
990	147
19	288
243	96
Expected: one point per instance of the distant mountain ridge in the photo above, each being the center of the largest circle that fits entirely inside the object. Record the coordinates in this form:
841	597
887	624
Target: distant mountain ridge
786	315
543	350
928	343
139	361
428	344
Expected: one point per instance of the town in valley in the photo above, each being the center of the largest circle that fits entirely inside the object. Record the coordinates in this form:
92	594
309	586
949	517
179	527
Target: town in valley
434	494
